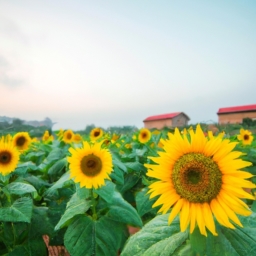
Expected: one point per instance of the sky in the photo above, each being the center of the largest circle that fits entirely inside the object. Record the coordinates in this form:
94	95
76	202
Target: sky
114	63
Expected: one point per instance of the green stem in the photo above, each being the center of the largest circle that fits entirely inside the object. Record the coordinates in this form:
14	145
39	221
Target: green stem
94	202
198	242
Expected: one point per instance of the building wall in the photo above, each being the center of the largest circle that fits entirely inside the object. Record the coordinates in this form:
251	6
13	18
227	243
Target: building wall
176	121
179	121
158	124
234	118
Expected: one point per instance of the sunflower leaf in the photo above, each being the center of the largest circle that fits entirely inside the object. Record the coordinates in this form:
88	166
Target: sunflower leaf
156	238
19	188
75	206
117	175
57	167
85	236
107	191
120	210
135	166
59	184
20	210
143	203
117	162
237	242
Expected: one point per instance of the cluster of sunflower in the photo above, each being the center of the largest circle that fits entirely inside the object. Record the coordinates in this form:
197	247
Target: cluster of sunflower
194	177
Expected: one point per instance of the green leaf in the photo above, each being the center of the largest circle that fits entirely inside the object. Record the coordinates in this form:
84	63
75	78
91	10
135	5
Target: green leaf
107	191
184	250
117	162
57	167
59	184
233	242
23	168
254	206
120	210
156	238
117	175
19	188
135	166
143	203
75	206
20	210
82	192
36	229
130	180
86	237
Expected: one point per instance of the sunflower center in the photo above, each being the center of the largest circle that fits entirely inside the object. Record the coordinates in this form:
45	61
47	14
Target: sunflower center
196	178
96	134
5	157
69	136
144	135
20	141
91	165
246	137
193	176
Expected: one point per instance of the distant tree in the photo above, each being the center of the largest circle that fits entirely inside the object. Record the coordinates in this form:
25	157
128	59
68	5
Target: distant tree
88	128
247	122
122	129
17	122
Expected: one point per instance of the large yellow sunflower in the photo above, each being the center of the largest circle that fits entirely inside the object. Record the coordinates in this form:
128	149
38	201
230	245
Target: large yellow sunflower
245	136
200	178
96	134
21	140
90	165
9	156
68	136
144	135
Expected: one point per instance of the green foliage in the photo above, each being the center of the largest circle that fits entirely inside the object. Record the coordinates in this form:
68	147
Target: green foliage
39	198
86	237
156	238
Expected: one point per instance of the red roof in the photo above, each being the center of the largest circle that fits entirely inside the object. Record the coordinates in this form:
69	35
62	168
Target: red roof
237	109
163	116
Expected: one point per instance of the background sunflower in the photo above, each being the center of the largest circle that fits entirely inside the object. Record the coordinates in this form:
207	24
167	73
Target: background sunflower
144	135
9	156
90	165
21	140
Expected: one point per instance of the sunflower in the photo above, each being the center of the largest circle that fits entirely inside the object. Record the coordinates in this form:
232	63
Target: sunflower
200	178
96	134
90	165
21	140
68	136
77	138
9	156
47	136
144	135
245	136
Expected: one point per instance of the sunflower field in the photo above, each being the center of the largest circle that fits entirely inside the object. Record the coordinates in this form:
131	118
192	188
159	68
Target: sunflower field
187	192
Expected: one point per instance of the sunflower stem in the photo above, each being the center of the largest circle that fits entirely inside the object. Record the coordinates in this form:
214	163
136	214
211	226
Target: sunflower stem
198	242
94	213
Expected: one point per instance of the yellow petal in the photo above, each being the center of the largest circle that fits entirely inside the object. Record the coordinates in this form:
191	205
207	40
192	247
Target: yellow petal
220	214
200	219
175	210
209	222
229	212
192	217
184	216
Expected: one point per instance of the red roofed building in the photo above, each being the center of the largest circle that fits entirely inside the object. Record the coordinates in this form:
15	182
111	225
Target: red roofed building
236	114
176	119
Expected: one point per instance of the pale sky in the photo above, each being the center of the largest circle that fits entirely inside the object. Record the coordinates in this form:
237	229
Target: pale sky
114	63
